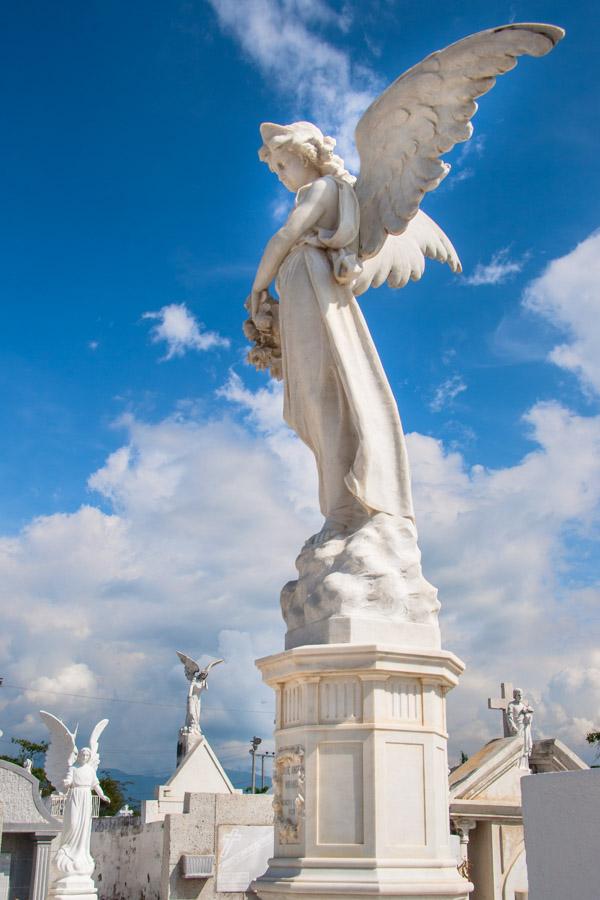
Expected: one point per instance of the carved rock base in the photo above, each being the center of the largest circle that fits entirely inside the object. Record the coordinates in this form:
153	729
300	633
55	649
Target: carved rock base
361	774
362	587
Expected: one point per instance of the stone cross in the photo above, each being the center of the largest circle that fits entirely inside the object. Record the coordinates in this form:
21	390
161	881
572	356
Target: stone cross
506	689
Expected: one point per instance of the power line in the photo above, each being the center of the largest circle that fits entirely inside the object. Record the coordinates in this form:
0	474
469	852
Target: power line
20	687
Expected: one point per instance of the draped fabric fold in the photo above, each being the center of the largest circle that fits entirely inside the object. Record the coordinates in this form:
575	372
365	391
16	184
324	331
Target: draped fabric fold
336	394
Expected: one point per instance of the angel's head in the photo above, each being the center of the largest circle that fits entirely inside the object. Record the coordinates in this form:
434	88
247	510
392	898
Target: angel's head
84	756
299	154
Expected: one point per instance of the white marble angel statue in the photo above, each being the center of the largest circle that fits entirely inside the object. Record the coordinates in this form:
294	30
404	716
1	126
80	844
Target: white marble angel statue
347	234
519	719
198	679
74	772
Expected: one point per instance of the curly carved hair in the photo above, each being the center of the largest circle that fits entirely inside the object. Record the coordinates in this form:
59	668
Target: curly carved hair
306	141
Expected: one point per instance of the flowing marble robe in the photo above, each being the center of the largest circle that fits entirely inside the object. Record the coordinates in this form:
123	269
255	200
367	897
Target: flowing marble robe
73	856
336	394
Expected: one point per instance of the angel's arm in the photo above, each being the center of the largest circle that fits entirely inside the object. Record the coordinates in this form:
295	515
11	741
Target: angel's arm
316	202
67	780
97	788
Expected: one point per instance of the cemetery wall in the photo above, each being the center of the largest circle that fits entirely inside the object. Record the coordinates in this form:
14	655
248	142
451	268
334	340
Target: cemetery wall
236	828
128	858
560	814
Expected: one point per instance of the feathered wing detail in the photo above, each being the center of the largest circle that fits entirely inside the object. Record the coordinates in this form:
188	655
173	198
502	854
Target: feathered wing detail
423	114
61	752
207	669
402	256
94	738
190	665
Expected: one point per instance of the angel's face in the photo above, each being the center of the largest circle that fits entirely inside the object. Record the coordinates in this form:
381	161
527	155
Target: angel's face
84	755
292	171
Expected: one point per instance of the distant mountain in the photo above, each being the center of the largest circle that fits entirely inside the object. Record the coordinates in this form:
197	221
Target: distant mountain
142	787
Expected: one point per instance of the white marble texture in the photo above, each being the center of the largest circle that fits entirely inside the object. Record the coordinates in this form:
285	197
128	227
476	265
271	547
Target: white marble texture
342	236
361	800
361	792
73	772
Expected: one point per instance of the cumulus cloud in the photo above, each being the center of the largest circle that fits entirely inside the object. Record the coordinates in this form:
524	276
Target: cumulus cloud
201	521
446	392
499	545
199	538
497	271
204	521
178	328
282	38
567	294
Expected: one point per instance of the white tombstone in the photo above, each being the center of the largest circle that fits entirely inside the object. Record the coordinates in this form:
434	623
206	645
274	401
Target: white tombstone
561	816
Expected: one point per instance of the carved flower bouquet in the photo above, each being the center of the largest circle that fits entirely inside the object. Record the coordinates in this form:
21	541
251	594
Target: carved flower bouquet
263	331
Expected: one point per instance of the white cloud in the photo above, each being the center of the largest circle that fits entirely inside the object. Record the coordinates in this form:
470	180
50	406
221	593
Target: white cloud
499	545
199	541
567	294
206	520
281	37
497	271
446	392
178	328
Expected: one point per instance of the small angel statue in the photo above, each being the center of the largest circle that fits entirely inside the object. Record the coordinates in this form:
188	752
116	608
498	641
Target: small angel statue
519	718
73	772
347	234
198	679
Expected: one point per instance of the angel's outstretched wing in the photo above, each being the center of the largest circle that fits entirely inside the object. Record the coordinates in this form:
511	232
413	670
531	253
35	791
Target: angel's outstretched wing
61	752
423	114
94	738
402	256
207	668
190	665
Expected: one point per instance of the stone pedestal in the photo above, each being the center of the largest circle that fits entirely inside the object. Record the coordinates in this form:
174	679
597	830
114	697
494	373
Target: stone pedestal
361	774
73	887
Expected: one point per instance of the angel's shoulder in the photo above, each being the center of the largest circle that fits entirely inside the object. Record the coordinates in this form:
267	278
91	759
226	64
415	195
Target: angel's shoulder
321	188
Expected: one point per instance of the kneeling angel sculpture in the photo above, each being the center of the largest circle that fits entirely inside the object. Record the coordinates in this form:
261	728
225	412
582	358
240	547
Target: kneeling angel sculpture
347	234
74	772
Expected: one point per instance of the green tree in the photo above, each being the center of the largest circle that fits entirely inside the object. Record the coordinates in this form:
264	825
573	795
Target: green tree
114	789
594	738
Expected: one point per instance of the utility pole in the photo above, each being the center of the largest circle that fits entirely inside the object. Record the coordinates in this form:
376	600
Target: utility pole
255	742
266	755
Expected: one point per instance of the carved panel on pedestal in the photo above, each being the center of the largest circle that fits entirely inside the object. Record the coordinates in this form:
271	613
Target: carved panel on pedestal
288	803
405	702
340	793
292	705
340	700
405	795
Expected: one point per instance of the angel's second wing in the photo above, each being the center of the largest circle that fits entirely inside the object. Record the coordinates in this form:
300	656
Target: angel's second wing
191	666
61	752
423	114
215	662
94	738
402	257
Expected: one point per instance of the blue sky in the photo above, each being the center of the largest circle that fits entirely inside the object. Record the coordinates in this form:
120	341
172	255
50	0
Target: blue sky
149	503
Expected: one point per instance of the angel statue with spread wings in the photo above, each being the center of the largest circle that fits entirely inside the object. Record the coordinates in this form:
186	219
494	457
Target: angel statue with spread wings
74	772
347	234
198	679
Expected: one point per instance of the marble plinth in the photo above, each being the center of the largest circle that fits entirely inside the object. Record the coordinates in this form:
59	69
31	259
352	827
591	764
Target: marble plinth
361	774
73	887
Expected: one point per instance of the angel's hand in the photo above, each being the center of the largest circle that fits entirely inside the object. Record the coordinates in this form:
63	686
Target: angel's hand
254	301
